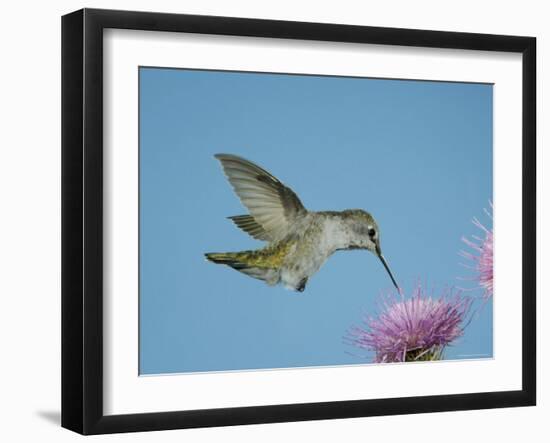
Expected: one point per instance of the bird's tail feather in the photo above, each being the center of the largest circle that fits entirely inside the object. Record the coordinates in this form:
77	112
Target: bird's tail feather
244	262
226	258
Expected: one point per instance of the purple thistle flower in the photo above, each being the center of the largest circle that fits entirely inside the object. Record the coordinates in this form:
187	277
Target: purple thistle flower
482	257
414	329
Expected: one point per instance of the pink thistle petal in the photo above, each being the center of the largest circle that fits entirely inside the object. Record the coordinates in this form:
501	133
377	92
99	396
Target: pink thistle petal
414	328
483	258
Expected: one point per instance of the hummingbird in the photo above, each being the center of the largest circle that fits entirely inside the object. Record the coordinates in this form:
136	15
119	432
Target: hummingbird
298	241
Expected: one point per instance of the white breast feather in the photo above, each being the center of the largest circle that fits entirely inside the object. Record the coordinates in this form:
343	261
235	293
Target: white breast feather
335	236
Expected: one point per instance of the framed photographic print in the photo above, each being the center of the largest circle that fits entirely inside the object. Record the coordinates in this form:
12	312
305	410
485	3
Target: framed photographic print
269	221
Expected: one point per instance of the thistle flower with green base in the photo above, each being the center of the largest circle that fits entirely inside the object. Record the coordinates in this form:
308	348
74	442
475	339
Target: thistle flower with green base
417	328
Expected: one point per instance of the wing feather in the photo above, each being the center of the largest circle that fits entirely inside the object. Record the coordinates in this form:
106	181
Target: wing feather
272	205
249	225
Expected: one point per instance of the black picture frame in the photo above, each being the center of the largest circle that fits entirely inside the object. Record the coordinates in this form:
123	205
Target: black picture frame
82	220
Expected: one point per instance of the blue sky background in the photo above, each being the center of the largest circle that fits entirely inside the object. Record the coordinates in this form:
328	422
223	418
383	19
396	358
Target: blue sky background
417	155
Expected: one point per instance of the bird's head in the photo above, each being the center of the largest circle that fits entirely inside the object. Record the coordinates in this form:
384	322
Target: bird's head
365	234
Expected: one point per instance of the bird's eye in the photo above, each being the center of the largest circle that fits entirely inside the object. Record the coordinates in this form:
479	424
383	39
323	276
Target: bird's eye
372	232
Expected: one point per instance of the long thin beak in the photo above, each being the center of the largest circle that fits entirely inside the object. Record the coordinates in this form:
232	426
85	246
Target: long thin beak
385	263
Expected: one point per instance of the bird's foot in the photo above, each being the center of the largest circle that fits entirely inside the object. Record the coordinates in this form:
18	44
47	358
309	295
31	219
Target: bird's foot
302	285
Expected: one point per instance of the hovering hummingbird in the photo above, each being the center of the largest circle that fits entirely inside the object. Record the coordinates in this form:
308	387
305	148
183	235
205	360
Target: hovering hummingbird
298	241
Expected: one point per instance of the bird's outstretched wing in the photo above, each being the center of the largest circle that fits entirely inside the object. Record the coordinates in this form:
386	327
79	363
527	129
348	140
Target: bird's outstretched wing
272	205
